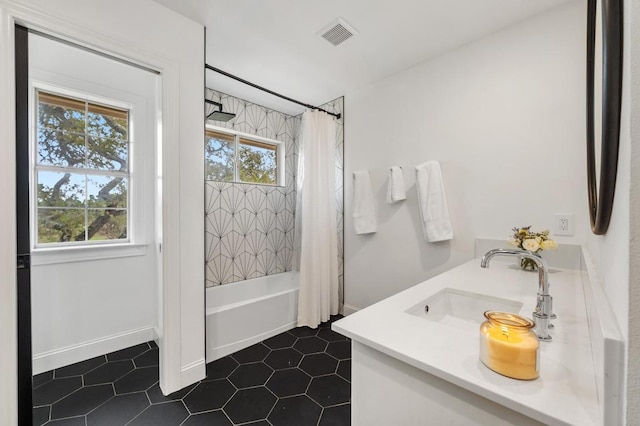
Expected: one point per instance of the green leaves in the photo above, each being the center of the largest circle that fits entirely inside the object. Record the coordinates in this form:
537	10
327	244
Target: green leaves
256	161
82	170
257	165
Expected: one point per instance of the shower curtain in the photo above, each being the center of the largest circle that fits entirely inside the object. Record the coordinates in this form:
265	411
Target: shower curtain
316	234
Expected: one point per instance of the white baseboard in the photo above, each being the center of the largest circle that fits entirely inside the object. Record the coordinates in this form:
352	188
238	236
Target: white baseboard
348	310
57	358
222	351
193	372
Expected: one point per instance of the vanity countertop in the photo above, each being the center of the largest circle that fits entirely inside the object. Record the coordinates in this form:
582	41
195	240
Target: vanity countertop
564	394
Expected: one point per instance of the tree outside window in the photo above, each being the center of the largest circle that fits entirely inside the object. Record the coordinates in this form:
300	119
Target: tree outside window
230	158
82	171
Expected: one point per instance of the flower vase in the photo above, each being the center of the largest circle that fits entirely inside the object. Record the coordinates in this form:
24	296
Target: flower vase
528	264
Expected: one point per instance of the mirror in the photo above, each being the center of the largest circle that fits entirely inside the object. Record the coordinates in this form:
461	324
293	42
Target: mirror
603	115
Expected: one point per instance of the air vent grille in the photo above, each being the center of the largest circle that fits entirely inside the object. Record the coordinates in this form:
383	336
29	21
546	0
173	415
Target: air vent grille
337	32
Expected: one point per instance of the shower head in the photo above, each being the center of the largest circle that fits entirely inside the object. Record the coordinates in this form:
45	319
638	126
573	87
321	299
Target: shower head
219	115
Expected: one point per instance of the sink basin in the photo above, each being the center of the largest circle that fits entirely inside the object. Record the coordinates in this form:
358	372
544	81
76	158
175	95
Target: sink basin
450	306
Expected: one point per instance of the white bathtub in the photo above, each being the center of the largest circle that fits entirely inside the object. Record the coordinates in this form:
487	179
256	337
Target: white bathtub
243	313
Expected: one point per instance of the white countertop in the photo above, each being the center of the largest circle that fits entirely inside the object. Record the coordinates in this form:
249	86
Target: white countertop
564	394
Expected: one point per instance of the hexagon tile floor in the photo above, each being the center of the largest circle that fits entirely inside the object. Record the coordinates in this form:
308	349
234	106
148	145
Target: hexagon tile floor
298	378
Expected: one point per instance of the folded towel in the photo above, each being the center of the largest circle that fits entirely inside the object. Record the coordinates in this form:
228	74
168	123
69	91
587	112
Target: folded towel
364	212
434	213
395	188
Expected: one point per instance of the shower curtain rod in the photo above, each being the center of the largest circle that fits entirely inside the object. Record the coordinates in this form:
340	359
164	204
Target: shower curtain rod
242	80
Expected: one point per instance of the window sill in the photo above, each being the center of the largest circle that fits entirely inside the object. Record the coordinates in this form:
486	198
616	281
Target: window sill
50	256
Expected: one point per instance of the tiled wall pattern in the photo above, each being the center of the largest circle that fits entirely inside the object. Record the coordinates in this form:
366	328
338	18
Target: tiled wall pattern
250	228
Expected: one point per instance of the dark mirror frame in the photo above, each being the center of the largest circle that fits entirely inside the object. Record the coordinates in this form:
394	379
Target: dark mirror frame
601	193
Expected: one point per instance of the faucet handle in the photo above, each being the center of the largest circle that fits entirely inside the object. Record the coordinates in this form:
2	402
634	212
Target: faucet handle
542	326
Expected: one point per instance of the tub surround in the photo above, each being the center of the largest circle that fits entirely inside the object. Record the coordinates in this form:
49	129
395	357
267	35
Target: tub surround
431	366
250	228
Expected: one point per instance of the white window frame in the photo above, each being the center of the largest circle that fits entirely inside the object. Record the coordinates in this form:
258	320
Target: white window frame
53	253
280	154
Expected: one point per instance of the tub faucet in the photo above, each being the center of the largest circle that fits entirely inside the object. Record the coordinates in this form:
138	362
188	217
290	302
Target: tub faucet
544	306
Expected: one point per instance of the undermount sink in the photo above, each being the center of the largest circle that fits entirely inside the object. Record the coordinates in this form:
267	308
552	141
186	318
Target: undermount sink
450	305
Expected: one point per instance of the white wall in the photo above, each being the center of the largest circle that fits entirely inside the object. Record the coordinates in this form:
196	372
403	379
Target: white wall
173	45
504	116
633	89
616	253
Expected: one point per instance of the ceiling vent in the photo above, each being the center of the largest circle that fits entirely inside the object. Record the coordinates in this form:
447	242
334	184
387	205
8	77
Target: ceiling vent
337	32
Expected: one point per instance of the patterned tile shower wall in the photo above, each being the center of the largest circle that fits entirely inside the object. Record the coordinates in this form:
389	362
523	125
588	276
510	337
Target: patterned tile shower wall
250	228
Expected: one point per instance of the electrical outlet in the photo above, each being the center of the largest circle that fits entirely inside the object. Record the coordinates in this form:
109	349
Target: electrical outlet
564	224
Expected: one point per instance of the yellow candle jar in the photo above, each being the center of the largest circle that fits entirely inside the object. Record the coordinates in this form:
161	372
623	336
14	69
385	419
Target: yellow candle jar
509	346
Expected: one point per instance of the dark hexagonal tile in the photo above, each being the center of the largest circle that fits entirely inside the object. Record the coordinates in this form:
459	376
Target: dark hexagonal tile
340	350
221	368
249	405
72	421
253	353
109	372
147	359
282	340
295	411
82	401
153	344
210	395
213	418
128	353
309	345
249	375
56	389
319	364
329	390
42	378
283	358
155	394
169	413
118	410
288	382
330	335
41	415
303	331
80	368
138	380
344	369
339	415
332	319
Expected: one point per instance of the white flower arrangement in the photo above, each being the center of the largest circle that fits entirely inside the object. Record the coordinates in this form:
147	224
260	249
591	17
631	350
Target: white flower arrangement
525	239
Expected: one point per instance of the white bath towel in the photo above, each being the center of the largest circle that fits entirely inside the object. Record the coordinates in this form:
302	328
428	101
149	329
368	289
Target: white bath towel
434	213
364	211
395	188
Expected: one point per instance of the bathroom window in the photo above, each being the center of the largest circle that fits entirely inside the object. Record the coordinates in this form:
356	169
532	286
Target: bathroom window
237	157
81	171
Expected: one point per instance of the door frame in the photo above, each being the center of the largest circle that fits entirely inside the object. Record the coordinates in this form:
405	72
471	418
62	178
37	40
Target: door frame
23	229
182	330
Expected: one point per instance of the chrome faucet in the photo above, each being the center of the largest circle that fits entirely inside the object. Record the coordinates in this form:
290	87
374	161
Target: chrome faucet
544	306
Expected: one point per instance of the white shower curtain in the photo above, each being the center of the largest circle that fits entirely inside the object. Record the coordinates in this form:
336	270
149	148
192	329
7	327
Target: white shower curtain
316	231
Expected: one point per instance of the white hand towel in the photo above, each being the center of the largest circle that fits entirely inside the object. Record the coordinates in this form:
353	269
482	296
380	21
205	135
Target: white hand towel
395	188
434	213
364	212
